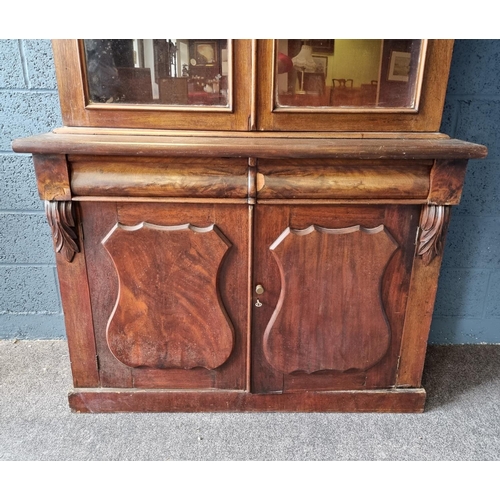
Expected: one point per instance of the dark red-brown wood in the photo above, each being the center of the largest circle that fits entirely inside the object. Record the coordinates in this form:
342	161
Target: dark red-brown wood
304	292
252	259
102	401
170	301
168	313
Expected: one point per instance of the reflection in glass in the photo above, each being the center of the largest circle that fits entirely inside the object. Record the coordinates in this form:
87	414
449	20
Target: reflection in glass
170	72
344	73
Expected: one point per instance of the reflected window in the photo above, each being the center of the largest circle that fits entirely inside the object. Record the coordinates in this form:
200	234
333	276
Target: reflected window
341	73
171	72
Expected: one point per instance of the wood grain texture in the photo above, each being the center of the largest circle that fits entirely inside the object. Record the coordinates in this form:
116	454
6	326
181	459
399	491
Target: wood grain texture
76	111
447	182
52	177
105	176
254	146
97	220
270	222
423	290
62	224
109	401
168	312
216	133
233	222
329	314
75	297
350	179
428	117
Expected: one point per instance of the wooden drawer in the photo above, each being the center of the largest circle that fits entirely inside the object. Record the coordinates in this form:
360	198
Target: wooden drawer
343	179
159	177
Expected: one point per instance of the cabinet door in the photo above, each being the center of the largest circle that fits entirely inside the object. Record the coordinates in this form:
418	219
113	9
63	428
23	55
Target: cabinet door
166	84
335	284
169	293
352	85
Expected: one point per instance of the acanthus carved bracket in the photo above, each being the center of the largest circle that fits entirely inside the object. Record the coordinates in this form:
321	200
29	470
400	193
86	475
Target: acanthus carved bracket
433	224
62	224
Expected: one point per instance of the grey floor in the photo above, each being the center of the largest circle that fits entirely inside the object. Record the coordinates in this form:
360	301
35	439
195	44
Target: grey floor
461	421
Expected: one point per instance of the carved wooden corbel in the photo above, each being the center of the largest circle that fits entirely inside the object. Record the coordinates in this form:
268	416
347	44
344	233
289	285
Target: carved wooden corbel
62	224
433	225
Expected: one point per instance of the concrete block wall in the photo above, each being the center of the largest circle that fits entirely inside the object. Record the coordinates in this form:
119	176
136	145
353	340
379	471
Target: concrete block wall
29	298
468	302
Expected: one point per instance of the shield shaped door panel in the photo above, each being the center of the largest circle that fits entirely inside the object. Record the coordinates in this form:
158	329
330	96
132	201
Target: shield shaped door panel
330	317
160	320
171	294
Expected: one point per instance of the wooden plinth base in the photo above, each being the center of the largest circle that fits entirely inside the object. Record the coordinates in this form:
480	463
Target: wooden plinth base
137	400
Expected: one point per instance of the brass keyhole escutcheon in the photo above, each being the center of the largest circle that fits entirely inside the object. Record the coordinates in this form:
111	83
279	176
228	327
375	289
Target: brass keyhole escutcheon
259	289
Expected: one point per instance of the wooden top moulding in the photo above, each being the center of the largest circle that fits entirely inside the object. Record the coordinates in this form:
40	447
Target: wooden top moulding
252	145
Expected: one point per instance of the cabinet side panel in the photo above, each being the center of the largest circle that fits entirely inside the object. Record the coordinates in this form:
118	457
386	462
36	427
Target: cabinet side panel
75	296
423	290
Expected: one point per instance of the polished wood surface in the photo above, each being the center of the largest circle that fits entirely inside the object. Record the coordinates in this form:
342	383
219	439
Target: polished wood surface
447	181
52	174
254	146
348	179
76	111
76	302
343	327
168	313
153	177
423	290
426	118
249	259
321	283
181	290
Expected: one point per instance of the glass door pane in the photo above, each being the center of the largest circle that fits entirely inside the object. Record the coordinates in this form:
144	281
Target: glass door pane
167	72
340	74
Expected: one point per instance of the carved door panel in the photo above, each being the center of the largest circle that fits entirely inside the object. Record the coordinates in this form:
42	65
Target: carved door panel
335	283
169	286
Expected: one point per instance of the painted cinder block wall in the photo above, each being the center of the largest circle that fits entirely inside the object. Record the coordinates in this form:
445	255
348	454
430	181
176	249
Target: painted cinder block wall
468	301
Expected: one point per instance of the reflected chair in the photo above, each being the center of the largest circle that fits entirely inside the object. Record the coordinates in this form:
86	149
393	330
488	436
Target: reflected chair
136	84
341	93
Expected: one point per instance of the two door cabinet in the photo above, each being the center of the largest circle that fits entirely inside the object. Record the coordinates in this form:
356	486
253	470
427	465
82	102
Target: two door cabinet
253	261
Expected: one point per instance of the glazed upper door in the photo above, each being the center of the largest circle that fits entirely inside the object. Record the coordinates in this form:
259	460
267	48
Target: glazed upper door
169	292
352	85
267	85
197	84
332	289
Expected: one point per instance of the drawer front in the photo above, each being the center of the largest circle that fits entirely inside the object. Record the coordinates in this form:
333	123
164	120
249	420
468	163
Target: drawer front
159	177
343	179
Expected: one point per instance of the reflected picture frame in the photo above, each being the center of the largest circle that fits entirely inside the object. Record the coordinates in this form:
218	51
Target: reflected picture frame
325	46
321	62
205	53
399	66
